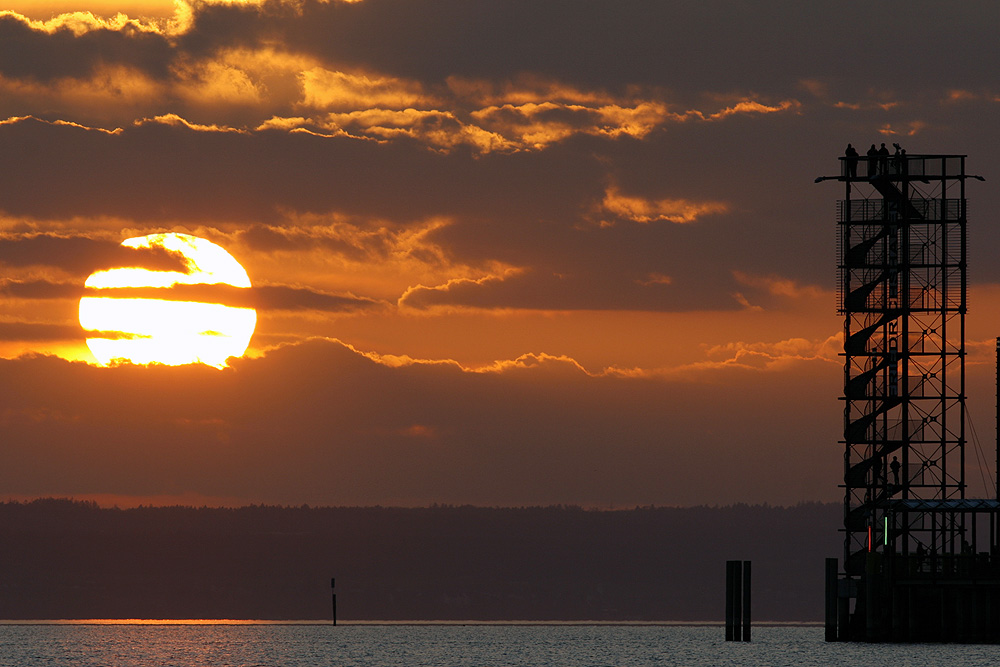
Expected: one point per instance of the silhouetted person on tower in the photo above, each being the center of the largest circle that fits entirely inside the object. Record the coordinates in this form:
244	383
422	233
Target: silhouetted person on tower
851	162
872	161
894	466
883	160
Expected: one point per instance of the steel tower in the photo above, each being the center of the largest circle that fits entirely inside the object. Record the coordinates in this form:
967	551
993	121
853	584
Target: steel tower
910	534
901	289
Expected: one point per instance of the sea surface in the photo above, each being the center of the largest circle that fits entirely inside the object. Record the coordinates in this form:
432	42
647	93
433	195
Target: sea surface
224	644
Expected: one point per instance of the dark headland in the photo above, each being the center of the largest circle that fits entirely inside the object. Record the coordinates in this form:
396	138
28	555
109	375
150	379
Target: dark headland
71	560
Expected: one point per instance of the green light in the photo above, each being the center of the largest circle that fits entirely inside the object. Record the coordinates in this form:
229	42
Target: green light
885	533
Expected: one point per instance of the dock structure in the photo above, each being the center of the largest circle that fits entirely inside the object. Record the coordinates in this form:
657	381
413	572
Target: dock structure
921	560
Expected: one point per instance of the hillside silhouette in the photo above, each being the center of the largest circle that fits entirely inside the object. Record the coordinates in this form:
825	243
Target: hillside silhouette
67	559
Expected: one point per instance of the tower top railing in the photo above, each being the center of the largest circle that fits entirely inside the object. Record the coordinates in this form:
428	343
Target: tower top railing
919	166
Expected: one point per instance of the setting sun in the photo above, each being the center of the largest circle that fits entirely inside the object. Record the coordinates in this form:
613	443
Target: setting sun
155	328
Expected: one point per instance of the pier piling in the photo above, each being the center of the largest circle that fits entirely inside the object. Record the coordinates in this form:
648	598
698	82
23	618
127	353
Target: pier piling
737	600
333	585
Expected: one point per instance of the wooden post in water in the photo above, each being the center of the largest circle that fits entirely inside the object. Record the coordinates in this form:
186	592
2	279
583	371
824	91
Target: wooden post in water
333	585
746	600
832	593
737	600
730	612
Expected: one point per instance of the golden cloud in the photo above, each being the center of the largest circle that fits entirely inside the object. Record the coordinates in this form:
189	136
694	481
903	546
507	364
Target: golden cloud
909	129
656	279
637	121
530	360
534	360
280	123
525	89
536	125
642	210
216	82
778	286
343	254
746	357
82	22
325	89
499	274
245	86
777	353
175	120
958	95
120	89
749	107
438	129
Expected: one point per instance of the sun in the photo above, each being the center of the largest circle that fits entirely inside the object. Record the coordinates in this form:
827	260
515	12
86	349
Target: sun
145	316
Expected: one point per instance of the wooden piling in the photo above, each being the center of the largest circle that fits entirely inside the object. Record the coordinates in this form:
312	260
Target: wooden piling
730	612
746	600
832	593
737	600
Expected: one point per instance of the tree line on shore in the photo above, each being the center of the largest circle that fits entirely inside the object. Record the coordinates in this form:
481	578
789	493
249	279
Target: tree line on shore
69	559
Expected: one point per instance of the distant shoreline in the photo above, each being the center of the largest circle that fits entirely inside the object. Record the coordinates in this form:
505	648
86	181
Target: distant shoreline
228	621
409	566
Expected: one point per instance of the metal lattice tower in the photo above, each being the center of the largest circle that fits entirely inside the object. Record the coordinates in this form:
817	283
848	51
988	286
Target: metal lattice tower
921	560
902	286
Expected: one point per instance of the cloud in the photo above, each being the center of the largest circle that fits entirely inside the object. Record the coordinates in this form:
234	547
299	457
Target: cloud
773	355
479	42
287	297
643	210
323	424
553	291
37	332
176	121
436	129
266	298
40	289
76	45
909	129
743	357
80	255
325	89
750	107
779	286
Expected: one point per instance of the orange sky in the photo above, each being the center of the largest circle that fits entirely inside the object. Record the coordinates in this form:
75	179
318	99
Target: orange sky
500	254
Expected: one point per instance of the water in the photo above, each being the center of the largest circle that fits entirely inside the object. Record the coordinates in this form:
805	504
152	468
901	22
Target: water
270	645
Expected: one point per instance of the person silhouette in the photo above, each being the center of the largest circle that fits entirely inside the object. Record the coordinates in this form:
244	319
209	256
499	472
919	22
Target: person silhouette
894	467
851	161
897	161
872	161
883	160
